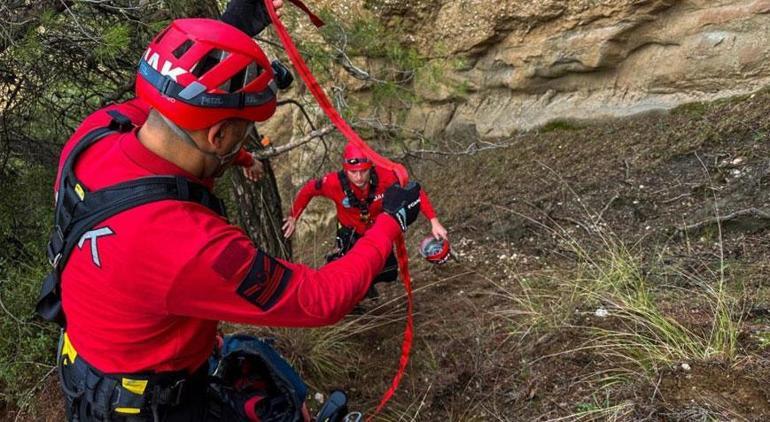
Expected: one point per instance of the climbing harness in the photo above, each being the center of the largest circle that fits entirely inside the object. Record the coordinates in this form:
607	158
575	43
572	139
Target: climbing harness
79	210
352	200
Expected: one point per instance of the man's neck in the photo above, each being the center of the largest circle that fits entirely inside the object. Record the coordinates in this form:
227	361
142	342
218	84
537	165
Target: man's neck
167	146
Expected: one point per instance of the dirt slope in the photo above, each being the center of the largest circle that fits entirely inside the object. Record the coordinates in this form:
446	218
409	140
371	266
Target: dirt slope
643	179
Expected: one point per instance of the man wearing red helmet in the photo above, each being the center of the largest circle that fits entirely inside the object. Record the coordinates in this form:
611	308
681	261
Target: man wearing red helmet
145	264
357	193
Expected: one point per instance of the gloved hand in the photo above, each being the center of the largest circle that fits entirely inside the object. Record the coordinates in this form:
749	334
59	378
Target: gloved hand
403	204
250	16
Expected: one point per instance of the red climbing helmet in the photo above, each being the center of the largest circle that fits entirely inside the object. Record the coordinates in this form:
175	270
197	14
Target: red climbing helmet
355	159
435	250
198	72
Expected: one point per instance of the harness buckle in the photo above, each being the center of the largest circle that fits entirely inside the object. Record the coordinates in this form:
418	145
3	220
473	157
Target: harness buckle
55	261
55	247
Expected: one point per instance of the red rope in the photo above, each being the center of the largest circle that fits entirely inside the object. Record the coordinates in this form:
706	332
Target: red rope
352	137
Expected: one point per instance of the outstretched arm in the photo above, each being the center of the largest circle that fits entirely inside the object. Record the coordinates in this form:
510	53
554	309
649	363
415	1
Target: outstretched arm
311	189
249	16
437	230
229	279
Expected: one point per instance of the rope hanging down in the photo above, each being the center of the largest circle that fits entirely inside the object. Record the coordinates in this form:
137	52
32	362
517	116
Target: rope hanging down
352	137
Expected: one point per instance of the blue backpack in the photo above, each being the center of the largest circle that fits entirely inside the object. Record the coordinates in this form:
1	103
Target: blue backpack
252	379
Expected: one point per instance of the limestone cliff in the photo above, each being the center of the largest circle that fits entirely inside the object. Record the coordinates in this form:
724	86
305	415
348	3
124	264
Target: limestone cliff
525	63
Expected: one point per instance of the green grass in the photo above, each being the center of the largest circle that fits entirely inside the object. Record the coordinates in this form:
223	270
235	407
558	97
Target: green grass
537	306
642	339
559	125
599	412
636	339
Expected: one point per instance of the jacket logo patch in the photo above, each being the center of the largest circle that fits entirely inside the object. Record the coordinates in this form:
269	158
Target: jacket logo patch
265	282
93	236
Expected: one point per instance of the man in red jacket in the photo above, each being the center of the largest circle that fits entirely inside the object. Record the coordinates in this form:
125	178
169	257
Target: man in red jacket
143	290
357	193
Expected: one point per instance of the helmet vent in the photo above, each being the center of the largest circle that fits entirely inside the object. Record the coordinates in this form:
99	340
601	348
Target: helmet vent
213	58
182	48
242	78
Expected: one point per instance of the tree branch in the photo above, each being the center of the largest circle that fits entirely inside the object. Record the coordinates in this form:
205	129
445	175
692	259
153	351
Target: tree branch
22	17
272	151
753	212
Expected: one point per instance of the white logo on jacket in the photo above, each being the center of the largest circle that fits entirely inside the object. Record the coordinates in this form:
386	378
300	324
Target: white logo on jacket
94	235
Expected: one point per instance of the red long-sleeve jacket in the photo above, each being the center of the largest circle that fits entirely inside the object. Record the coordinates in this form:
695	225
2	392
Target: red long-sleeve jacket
329	186
146	290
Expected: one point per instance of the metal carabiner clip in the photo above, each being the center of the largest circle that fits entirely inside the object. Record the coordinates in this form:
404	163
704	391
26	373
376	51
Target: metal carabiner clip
353	417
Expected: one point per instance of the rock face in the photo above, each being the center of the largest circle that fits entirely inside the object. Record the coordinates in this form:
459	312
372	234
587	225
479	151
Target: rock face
530	62
512	65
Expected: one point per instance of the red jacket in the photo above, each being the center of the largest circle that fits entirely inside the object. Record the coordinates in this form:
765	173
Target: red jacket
349	216
150	294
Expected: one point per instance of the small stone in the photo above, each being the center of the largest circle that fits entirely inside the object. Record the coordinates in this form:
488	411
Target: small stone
318	397
686	367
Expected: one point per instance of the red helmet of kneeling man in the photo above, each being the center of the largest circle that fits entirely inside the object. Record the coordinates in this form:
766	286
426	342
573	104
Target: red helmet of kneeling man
355	159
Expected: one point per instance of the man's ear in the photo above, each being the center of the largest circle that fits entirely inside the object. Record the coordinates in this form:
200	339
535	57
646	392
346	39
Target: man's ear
216	134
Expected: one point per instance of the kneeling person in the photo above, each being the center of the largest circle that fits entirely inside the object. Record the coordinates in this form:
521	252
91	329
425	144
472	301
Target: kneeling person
357	191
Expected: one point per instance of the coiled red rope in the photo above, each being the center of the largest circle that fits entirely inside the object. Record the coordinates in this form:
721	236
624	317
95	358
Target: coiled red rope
352	136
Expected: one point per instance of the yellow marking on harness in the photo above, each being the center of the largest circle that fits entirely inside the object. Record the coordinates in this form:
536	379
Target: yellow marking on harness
128	410
80	191
67	351
135	386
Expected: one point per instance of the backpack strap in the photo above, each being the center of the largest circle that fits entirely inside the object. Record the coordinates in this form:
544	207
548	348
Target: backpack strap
79	210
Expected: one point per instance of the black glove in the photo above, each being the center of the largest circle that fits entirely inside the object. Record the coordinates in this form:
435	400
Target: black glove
403	204
250	16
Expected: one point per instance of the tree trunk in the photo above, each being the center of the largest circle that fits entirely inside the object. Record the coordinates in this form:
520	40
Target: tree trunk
259	211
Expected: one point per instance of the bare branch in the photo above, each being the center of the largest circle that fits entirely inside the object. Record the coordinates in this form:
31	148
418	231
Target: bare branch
752	212
273	151
472	149
343	60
